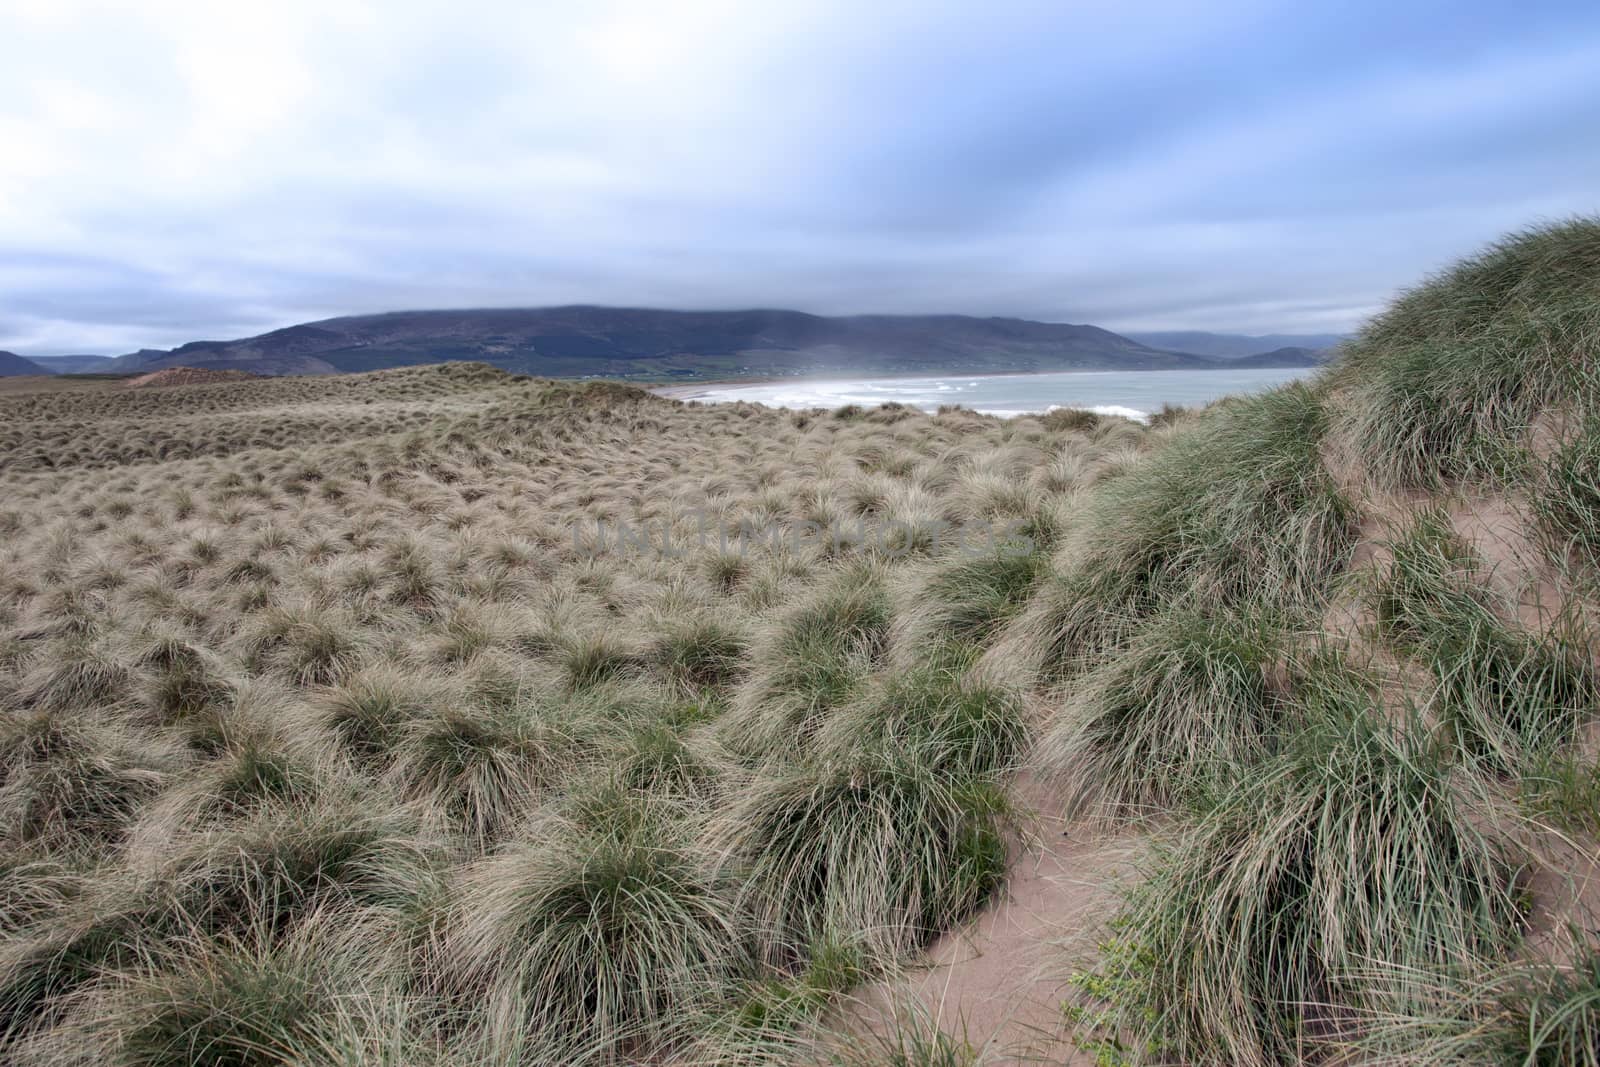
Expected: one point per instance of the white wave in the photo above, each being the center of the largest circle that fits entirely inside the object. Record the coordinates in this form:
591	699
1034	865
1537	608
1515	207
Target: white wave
1131	395
1115	410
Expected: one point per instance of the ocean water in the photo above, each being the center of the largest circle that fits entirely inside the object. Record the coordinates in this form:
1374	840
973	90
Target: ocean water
1135	394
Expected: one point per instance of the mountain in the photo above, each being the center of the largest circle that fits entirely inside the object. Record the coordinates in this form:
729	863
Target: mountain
74	364
14	366
645	343
1231	345
1288	356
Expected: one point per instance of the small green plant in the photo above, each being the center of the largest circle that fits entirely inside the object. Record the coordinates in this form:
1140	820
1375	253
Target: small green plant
65	780
657	757
186	680
1100	998
911	1036
370	711
1065	420
77	673
817	657
952	724
238	1000
1170	415
1563	789
789	1002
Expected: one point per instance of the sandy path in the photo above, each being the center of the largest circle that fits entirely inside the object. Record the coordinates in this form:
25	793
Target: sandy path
1000	981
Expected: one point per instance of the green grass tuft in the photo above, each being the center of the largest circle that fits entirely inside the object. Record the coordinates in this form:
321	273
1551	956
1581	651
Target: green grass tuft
1310	896
1190	705
878	846
1566	498
1445	386
700	654
1236	512
953	725
484	767
1504	691
816	658
597	940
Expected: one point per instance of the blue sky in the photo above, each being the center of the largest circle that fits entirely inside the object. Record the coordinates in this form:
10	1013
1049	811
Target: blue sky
173	171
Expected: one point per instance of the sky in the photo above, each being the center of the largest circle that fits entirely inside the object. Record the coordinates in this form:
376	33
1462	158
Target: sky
173	171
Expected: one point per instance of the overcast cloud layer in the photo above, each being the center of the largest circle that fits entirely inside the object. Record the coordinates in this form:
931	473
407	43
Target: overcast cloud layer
173	171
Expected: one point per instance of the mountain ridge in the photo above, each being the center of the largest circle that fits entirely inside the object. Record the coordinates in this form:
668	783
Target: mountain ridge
15	366
587	340
1233	345
1287	356
73	364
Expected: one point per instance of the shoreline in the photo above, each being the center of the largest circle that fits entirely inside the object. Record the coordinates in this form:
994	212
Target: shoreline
686	391
700	389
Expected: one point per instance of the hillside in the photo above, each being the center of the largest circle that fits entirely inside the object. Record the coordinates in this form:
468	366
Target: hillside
443	716
74	364
1284	357
1230	346
646	343
13	366
175	376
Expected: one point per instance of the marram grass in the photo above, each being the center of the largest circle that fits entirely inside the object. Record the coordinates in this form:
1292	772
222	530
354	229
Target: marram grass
1309	898
324	740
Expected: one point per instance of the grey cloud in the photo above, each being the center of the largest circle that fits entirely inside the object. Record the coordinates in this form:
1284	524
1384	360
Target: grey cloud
1255	168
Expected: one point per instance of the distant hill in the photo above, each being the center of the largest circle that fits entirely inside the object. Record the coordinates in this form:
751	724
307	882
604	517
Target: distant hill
14	366
74	364
1234	345
644	343
1288	356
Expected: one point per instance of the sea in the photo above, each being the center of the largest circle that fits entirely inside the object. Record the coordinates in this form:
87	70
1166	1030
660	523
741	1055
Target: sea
1134	394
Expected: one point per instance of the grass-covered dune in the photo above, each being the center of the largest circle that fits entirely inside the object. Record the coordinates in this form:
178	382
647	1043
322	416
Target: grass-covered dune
440	716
